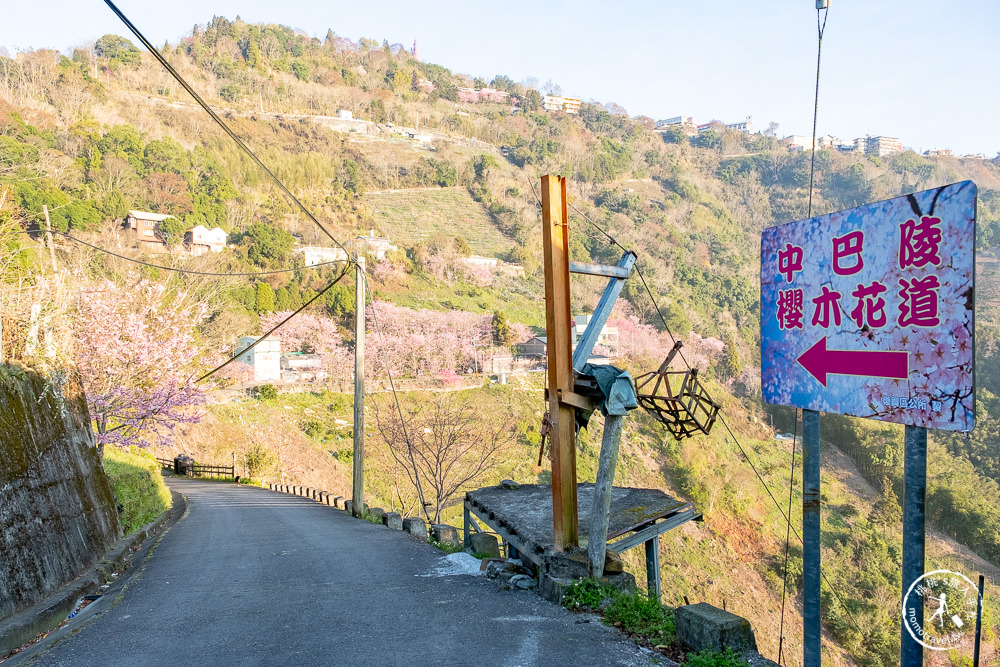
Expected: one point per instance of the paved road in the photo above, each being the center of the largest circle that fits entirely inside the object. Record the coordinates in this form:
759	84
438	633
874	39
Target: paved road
253	577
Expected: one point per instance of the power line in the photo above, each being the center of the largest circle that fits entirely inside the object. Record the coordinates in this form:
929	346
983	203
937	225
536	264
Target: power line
188	271
395	397
784	578
275	327
197	98
722	419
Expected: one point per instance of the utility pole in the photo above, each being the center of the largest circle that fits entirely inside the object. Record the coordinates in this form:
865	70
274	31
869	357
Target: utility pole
48	238
559	349
358	493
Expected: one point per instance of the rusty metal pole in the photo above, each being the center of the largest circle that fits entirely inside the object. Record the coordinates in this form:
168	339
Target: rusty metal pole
559	349
810	539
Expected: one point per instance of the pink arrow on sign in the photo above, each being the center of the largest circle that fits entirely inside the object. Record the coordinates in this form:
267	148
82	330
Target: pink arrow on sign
820	361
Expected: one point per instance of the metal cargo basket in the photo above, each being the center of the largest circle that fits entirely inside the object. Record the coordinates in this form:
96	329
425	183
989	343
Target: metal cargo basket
677	399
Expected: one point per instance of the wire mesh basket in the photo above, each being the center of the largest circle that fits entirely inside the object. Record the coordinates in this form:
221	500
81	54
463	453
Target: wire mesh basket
677	399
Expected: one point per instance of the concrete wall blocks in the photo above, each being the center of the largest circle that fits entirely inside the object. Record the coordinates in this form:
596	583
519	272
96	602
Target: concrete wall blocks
393	520
415	526
484	543
703	626
445	534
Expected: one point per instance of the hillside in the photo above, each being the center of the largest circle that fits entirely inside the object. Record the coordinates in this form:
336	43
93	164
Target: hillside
103	131
416	215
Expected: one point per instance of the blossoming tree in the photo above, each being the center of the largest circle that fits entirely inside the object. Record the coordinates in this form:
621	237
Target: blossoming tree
138	357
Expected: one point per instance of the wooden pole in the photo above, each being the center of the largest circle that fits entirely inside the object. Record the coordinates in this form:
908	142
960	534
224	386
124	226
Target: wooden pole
358	494
597	539
559	349
48	238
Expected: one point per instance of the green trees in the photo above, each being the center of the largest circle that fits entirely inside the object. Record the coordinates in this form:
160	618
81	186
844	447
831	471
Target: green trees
172	231
264	245
118	51
265	298
500	328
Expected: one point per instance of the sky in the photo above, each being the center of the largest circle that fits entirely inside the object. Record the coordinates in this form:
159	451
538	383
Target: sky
923	71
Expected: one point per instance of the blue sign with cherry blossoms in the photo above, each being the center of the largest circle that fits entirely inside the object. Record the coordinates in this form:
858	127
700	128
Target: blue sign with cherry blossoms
869	312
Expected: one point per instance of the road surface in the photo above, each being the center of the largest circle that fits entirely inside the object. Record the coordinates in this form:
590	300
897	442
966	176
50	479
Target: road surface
254	577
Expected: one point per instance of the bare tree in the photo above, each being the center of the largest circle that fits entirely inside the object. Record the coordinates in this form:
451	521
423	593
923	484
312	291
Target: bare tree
448	446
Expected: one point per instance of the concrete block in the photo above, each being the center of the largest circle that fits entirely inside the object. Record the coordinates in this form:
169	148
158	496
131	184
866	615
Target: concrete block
393	520
484	543
338	502
376	513
702	626
445	534
570	564
415	526
349	507
553	588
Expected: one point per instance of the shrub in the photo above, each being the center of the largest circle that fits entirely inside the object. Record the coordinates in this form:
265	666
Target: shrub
138	486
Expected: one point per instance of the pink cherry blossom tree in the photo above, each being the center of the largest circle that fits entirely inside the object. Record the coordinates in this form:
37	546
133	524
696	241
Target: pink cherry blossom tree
138	357
313	334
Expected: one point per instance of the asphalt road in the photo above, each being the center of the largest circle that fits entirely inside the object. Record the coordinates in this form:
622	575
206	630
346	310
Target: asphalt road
254	577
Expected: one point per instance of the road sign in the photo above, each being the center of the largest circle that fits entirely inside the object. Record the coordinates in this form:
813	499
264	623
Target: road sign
869	312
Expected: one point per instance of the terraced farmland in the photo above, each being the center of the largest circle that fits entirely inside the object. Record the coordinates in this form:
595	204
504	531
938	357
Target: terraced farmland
415	215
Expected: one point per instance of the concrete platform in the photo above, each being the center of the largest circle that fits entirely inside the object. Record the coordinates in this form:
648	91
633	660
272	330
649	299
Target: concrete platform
523	516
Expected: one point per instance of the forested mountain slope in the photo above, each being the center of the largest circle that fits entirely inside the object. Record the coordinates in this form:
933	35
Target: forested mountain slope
106	130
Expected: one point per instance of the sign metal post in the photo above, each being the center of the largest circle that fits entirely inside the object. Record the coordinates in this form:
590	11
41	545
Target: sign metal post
869	312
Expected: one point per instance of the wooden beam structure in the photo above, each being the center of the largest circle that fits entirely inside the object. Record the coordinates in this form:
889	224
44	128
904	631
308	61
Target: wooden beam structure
558	329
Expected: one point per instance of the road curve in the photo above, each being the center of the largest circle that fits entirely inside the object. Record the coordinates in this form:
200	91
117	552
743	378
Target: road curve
254	577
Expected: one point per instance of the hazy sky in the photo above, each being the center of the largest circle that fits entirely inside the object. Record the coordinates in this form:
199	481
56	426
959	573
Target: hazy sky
924	71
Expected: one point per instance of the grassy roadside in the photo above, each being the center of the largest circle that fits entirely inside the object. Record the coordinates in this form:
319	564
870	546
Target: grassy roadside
138	486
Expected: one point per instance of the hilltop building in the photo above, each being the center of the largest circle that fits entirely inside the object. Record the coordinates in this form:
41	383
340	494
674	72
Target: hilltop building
882	146
145	229
570	105
607	338
744	126
301	367
265	358
376	246
202	240
686	122
313	255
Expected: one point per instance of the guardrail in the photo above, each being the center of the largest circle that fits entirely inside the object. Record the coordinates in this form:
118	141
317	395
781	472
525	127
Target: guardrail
192	469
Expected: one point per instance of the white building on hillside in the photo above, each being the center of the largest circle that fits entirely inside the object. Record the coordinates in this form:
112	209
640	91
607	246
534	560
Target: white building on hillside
203	240
570	105
607	338
745	126
313	255
265	358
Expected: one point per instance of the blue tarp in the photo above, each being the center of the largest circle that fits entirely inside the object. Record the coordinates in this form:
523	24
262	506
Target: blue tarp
617	387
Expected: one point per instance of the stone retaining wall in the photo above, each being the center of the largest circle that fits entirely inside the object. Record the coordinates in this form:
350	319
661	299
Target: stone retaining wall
57	515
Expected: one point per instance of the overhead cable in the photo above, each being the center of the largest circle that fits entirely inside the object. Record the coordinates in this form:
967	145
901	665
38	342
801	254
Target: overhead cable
187	271
204	105
275	327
